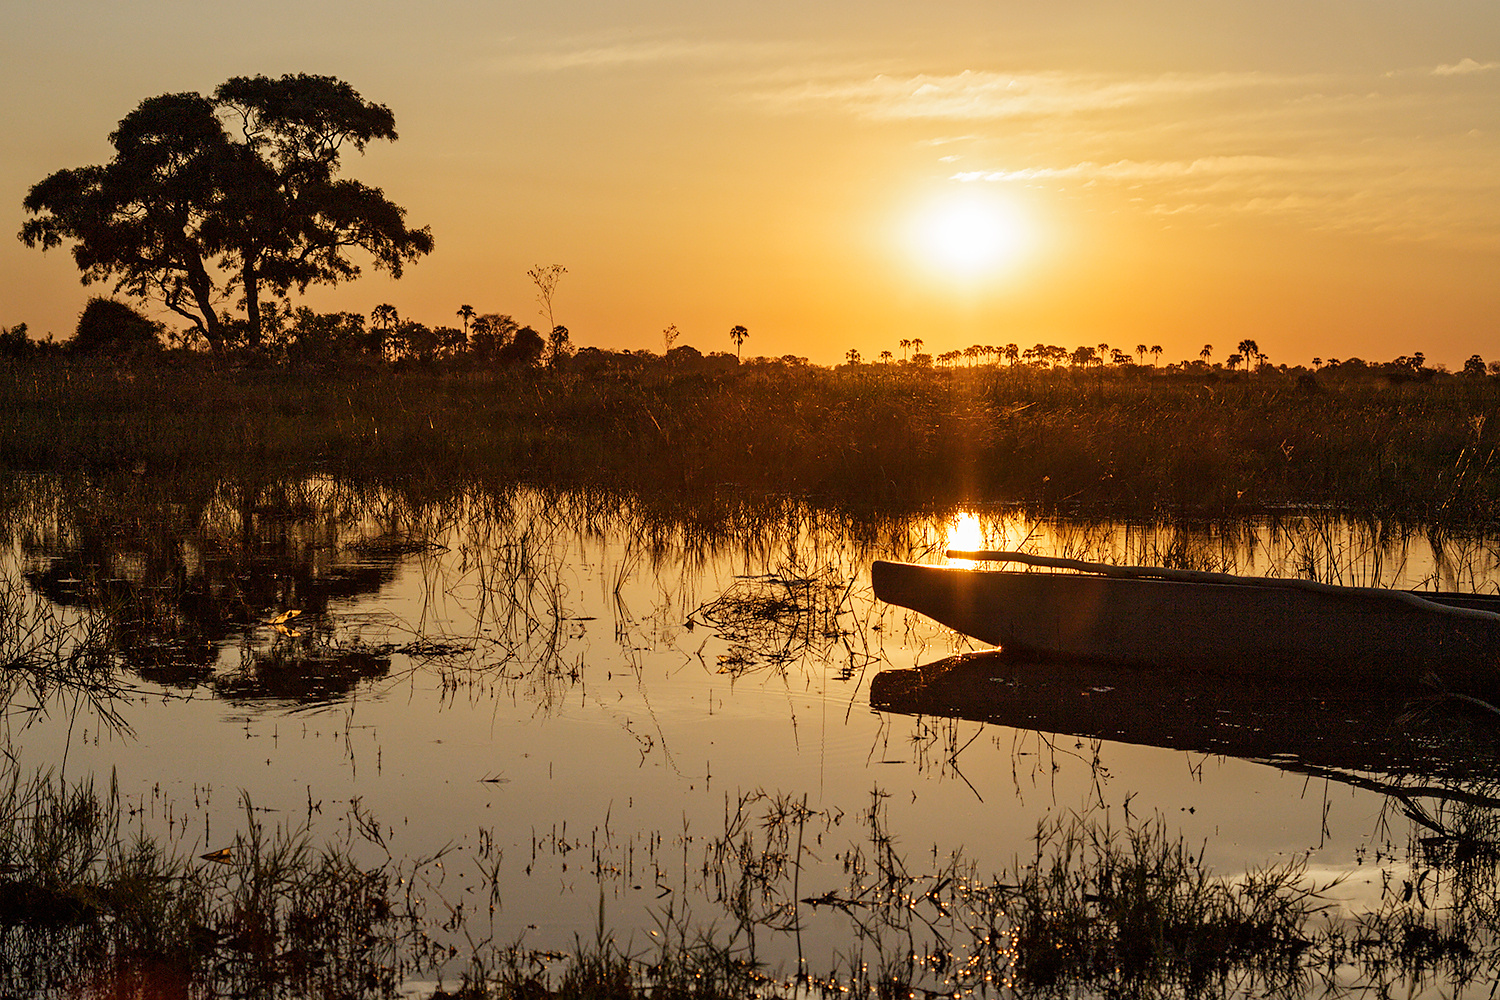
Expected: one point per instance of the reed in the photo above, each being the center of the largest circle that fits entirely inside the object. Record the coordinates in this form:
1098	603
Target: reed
90	907
903	437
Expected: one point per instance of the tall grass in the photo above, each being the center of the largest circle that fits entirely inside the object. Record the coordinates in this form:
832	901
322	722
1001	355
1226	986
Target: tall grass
893	435
90	907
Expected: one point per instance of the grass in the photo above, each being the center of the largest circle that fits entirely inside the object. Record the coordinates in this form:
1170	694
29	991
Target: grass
1122	913
881	435
90	905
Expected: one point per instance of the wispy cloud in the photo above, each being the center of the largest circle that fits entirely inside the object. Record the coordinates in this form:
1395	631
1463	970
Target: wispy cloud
609	55
1464	67
990	96
1134	170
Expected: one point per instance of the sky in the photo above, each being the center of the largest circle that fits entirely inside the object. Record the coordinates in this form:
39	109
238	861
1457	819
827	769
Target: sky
1321	177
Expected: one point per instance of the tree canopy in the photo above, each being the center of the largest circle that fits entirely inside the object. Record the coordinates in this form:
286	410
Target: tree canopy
235	194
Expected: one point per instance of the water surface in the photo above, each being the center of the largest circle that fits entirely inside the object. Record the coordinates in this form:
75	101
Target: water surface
574	696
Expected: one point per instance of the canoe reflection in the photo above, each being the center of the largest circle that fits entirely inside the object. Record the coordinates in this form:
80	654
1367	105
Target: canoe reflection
1294	725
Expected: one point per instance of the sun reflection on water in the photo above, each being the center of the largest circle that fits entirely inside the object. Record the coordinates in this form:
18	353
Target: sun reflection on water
964	533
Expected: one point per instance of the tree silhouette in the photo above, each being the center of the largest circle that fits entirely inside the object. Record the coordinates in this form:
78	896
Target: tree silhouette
1207	353
1251	352
738	335
110	327
852	356
466	313
558	346
1155	354
885	357
1233	361
526	348
492	332
905	346
1140	351
546	279
191	208
386	319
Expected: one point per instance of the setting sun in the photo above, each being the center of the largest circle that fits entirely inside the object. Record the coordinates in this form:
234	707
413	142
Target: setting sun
969	235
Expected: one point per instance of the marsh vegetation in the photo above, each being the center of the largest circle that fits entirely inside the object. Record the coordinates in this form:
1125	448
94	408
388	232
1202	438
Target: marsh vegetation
1133	441
371	679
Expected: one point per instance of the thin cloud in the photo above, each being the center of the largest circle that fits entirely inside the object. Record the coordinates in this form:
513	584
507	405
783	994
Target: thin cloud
989	96
1133	170
625	55
1464	67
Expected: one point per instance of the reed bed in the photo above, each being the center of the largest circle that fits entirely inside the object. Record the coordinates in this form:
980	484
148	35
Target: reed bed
884	435
91	908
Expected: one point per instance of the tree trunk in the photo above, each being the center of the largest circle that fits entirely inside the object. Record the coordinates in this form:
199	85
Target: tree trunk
252	303
203	287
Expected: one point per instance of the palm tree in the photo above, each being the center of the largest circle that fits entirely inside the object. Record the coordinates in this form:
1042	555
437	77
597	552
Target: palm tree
385	318
916	345
853	356
466	313
1206	353
885	357
1140	352
1155	354
738	335
1233	361
905	346
1251	351
1011	354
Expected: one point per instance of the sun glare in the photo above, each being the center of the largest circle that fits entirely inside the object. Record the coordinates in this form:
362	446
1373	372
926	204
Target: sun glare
964	533
969	234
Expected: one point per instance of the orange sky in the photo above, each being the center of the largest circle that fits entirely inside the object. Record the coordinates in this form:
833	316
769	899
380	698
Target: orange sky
1318	176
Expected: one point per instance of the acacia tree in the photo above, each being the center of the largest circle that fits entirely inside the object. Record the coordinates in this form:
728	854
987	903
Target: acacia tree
237	193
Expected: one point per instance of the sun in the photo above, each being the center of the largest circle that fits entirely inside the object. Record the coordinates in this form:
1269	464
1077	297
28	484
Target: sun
969	234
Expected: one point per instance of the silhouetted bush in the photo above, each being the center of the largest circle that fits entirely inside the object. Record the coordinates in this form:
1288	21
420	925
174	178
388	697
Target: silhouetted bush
525	349
14	343
110	327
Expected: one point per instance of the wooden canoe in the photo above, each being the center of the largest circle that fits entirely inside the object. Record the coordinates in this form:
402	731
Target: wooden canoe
1210	622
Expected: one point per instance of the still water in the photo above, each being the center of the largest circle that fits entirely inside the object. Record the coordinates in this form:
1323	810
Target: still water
556	703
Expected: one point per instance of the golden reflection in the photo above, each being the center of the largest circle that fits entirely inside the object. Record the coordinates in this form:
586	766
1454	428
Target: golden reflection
964	532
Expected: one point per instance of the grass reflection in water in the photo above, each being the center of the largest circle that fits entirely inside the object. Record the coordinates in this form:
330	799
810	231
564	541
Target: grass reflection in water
190	594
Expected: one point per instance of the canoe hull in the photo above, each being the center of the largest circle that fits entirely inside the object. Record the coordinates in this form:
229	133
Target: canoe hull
1331	635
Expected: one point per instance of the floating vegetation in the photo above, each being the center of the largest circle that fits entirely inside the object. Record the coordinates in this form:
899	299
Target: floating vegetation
778	618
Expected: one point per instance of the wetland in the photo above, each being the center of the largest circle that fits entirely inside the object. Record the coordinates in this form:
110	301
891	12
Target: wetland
520	684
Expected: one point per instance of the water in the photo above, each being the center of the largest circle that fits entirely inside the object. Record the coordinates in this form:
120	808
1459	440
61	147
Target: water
571	696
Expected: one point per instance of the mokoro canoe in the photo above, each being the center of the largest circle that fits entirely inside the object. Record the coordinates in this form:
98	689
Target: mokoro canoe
1210	622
